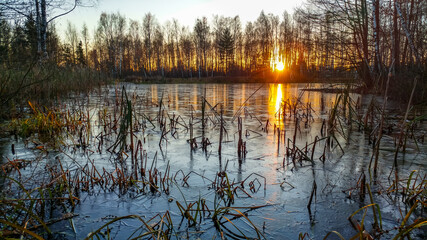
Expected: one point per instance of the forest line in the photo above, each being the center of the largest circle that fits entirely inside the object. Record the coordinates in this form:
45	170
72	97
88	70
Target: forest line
352	39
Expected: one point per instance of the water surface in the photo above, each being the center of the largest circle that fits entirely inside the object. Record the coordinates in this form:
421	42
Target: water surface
288	184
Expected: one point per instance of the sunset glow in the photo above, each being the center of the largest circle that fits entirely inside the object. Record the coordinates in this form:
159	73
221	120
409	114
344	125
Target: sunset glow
186	11
276	62
280	66
173	111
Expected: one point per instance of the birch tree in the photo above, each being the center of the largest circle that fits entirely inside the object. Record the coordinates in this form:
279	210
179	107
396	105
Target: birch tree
85	36
46	11
201	32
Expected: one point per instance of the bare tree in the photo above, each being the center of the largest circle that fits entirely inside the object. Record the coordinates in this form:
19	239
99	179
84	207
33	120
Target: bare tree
135	45
85	36
201	32
250	50
46	11
148	26
71	35
187	48
158	49
264	36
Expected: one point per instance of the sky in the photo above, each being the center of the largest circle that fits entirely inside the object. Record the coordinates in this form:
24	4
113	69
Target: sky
185	11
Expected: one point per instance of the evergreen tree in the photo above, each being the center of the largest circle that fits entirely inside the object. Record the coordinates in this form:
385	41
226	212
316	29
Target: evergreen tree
53	44
19	50
5	37
30	30
66	55
79	53
226	48
201	35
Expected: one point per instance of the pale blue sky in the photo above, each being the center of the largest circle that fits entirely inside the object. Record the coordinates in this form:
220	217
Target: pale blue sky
185	11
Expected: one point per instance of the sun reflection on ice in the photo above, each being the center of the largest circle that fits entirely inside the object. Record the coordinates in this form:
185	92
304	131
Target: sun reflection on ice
279	96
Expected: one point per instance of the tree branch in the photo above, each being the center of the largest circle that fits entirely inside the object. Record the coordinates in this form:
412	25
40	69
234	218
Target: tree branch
65	13
14	9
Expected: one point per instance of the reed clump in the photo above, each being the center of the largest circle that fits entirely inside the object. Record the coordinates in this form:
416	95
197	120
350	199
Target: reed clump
43	84
121	129
29	206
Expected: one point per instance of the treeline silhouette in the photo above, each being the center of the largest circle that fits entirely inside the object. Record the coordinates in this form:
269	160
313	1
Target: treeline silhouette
346	39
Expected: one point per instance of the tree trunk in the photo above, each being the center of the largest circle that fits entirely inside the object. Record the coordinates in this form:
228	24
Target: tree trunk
43	29
408	34
396	38
38	27
376	12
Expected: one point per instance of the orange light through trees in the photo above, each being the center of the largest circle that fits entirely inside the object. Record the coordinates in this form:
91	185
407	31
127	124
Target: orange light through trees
276	61
280	66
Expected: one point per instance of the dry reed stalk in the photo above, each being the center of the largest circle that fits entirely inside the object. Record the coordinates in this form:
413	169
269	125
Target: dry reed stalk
314	148
313	193
295	135
221	129
401	135
243	104
241	145
380	130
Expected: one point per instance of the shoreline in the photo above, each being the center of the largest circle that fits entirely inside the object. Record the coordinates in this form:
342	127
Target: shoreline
230	80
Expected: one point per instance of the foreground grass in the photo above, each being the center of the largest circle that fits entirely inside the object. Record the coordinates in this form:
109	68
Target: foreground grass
27	199
42	84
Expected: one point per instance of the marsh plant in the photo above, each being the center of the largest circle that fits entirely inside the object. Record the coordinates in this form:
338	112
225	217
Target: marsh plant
39	192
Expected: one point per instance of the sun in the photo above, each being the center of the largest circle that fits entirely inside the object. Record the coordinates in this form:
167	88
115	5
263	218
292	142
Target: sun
280	66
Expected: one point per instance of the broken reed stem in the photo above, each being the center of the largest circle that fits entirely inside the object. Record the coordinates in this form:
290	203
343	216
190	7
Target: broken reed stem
295	134
203	115
243	104
362	190
240	141
160	109
190	123
402	130
64	178
133	159
376	225
314	147
313	193
221	130
380	131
